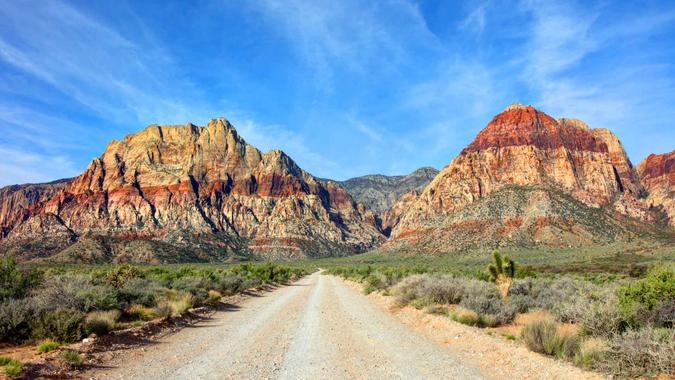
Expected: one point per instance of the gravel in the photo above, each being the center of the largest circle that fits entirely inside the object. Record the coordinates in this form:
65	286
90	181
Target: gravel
318	328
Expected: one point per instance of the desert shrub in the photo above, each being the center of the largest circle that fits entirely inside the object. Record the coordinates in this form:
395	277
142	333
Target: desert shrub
422	302
649	293
444	289
213	298
373	283
603	318
521	296
47	346
62	291
12	367
636	353
538	335
118	276
662	315
71	358
139	291
101	322
485	299
15	316
162	310
440	289
436	309
231	284
409	289
465	316
180	303
97	297
565	343
591	351
138	312
63	325
14	283
566	298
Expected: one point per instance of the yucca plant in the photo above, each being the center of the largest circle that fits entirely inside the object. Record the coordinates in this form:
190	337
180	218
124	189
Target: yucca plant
502	271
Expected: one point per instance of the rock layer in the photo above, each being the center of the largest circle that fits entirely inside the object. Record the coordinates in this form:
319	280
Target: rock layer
181	183
524	147
657	173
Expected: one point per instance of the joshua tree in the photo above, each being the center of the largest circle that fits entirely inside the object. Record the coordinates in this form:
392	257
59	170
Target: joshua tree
502	271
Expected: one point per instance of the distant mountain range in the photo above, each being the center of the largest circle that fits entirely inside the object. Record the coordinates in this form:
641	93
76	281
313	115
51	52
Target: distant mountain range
188	193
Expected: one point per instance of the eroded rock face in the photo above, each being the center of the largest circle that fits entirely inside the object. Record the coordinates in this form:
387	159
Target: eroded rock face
206	181
525	147
657	173
17	201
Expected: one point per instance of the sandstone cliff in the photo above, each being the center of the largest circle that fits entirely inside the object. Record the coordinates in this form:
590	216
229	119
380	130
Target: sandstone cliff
554	162
657	173
200	188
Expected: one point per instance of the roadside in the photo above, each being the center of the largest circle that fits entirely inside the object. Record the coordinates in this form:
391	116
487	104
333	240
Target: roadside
498	358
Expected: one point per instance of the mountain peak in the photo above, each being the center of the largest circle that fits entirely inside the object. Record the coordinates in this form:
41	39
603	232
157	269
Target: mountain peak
517	106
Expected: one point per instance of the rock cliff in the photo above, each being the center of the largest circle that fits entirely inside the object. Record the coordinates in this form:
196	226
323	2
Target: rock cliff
657	173
552	162
200	188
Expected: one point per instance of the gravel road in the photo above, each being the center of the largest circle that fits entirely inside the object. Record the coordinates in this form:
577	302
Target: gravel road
318	328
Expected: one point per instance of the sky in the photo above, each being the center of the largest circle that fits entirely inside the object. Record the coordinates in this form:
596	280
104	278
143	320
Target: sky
345	87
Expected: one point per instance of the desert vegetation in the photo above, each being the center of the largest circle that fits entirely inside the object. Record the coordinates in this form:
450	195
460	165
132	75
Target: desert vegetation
54	305
615	324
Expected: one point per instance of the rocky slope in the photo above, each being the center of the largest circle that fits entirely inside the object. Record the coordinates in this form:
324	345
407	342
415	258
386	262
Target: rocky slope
527	178
380	192
201	189
657	173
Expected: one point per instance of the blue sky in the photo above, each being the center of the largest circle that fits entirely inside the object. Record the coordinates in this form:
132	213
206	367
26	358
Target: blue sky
345	87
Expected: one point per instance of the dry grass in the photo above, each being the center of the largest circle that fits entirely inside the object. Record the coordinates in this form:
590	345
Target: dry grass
101	322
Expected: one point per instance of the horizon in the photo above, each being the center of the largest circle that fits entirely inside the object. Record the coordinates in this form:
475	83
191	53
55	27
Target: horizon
345	89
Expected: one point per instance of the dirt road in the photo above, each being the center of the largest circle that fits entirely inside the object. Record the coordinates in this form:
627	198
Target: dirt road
317	328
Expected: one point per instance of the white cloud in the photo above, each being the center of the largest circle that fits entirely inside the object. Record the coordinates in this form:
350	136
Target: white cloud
20	166
476	20
273	136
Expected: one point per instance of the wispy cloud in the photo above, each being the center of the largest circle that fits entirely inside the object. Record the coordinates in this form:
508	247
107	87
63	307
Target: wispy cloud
22	166
576	64
475	21
347	35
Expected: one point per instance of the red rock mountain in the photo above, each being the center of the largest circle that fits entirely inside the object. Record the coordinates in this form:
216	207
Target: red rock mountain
200	188
657	173
526	178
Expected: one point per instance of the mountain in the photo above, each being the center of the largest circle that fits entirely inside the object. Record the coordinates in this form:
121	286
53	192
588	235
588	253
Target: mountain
657	173
528	179
183	192
380	192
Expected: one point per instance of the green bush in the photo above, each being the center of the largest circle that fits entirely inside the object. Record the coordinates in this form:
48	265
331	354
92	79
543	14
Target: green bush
71	358
118	276
47	346
62	325
649	293
14	283
13	368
